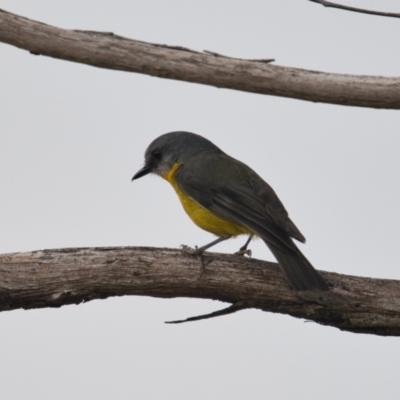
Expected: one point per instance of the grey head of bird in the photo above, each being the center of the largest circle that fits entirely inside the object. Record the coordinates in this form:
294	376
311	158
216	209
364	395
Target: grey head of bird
170	148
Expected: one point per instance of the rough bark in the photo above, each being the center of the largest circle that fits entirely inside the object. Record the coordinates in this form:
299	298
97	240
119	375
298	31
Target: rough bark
52	278
106	50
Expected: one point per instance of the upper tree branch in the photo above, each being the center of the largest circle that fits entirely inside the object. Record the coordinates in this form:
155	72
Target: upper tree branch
106	50
355	9
52	278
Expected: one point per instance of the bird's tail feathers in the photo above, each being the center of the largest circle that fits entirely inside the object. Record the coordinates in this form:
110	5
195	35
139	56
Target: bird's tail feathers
299	271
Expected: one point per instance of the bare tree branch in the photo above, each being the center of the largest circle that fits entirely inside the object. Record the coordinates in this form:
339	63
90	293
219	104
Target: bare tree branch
52	278
106	50
355	9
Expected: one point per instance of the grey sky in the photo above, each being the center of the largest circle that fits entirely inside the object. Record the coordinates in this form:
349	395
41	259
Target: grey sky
71	138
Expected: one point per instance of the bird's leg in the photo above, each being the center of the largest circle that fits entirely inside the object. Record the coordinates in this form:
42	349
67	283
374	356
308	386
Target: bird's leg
198	251
243	250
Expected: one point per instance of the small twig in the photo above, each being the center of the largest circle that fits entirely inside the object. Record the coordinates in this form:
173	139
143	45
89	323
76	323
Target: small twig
263	60
181	48
229	310
355	9
213	53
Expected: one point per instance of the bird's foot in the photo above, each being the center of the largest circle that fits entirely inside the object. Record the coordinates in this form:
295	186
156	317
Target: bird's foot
198	252
243	252
192	251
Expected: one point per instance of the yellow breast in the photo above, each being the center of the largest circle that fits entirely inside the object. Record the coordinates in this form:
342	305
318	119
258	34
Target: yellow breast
203	218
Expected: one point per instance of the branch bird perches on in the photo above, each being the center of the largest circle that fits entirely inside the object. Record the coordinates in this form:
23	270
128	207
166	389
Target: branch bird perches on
53	278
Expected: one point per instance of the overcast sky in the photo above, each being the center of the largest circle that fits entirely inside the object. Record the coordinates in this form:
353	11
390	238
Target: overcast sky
71	138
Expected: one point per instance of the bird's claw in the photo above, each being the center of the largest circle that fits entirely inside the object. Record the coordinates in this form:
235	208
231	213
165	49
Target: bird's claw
189	250
244	252
195	252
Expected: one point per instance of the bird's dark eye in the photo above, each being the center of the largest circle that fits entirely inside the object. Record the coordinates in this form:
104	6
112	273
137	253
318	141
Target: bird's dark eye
156	154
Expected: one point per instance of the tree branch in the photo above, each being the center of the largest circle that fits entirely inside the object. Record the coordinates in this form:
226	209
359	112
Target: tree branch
106	50
355	9
52	278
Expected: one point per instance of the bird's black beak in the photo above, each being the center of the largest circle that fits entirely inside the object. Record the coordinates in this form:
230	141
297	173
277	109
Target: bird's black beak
142	172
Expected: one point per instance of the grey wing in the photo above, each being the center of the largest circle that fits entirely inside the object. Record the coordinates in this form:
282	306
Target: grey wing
238	194
274	207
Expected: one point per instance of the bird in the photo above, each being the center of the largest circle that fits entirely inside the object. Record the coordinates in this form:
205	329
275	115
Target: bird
227	198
